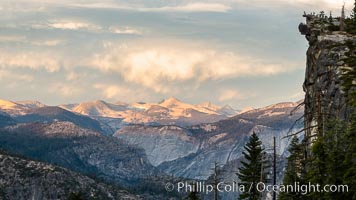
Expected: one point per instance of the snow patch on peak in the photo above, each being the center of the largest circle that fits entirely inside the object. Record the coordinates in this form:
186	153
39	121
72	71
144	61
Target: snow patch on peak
209	105
172	102
281	105
13	108
99	108
7	104
246	109
141	105
31	104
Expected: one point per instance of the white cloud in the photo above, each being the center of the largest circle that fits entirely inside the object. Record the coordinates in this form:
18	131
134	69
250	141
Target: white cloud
308	5
125	30
25	40
110	91
122	92
155	66
173	6
47	42
73	25
234	95
197	6
63	24
228	94
11	75
20	7
12	38
73	76
65	90
32	60
143	6
192	7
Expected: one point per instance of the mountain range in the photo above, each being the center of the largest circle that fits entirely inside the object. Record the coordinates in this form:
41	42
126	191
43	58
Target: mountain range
113	116
141	146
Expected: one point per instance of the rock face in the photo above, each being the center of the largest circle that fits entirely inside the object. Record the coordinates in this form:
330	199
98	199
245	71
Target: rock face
326	57
24	179
161	143
190	152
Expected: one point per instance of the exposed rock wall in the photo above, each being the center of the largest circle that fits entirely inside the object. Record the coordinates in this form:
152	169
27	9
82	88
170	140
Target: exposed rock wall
326	55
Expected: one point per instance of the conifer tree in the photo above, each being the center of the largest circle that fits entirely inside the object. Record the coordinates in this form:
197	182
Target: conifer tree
351	23
349	77
76	196
327	164
335	148
317	167
294	171
193	196
250	172
350	161
353	12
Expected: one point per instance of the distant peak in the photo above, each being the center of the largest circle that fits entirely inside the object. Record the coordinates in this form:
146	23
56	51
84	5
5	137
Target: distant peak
7	104
247	109
227	106
100	101
170	100
92	103
31	104
209	105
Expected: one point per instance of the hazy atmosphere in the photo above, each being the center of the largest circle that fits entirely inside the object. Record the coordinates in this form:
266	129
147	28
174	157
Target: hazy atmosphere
237	52
177	99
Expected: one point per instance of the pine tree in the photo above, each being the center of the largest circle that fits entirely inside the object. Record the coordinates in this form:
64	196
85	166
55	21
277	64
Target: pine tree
351	23
350	161
353	12
193	196
327	163
317	167
294	172
250	172
76	196
335	149
349	85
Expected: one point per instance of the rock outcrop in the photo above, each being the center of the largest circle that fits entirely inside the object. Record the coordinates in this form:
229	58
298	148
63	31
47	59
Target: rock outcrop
327	56
23	179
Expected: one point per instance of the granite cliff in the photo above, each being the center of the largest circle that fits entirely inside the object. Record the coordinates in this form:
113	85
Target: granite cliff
327	58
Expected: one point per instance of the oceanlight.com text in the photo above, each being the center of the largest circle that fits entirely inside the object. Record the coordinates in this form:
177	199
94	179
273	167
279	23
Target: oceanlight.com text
222	187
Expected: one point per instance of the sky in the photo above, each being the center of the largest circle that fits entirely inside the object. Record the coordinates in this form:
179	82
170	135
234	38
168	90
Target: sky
237	52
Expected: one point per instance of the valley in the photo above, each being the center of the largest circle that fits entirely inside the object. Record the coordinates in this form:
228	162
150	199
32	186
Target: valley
132	153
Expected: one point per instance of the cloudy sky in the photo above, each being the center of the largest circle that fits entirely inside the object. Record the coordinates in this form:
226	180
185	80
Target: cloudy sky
237	52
